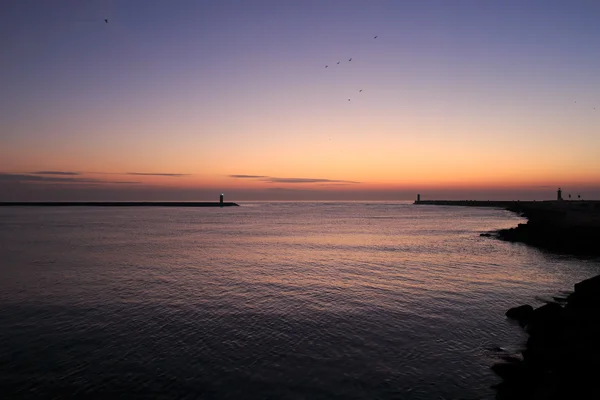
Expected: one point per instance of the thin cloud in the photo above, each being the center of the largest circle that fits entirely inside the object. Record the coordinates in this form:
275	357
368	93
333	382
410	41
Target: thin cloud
54	173
34	179
337	184
306	180
273	179
154	174
280	189
248	176
4	177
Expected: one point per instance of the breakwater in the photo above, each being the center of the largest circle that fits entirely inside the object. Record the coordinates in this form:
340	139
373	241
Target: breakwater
117	204
478	203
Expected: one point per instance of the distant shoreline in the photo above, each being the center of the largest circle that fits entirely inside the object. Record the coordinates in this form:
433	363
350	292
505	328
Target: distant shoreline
565	226
115	204
515	205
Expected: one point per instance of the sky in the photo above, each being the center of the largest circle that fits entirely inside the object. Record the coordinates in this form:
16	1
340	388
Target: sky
183	100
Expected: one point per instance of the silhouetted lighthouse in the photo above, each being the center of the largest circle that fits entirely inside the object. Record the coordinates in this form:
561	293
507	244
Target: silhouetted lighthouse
221	199
559	194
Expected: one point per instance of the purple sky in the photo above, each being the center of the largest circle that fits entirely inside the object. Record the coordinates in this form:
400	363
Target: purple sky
189	94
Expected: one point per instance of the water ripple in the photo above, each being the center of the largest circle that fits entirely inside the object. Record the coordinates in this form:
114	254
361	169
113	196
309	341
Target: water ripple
268	300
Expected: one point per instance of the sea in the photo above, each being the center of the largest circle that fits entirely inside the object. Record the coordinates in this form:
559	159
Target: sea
269	300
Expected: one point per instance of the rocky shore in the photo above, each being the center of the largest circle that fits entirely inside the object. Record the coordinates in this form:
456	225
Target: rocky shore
561	359
566	227
578	241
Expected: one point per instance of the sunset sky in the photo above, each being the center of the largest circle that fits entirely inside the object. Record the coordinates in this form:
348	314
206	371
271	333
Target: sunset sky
182	100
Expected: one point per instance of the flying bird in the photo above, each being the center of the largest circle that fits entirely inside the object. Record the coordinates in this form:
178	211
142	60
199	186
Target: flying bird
375	37
326	66
348	99
350	59
338	62
360	90
106	21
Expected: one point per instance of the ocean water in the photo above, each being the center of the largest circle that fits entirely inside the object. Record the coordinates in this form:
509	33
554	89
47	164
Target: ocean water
263	301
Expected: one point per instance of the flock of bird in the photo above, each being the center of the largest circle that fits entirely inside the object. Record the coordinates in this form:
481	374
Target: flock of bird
576	103
350	60
360	90
327	65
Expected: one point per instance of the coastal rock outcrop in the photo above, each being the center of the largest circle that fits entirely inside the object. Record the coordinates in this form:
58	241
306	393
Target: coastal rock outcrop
586	294
562	355
565	227
521	314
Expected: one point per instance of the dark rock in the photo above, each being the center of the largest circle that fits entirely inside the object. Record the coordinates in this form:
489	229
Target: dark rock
509	371
586	294
589	287
514	391
522	314
549	227
548	311
562	355
485	234
545	319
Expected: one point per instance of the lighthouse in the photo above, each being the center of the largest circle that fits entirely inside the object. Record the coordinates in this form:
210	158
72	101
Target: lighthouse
559	195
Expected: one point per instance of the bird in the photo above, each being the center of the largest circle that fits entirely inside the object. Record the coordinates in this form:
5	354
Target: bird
326	66
106	21
338	62
348	99
375	37
350	59
360	90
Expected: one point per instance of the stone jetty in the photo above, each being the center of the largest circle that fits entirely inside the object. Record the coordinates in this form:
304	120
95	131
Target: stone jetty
117	204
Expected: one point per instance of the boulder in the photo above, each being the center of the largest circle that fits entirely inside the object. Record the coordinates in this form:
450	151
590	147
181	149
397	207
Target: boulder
548	311
589	287
509	371
522	314
562	355
587	294
546	319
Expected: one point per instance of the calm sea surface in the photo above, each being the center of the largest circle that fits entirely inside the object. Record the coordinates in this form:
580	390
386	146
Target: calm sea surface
263	301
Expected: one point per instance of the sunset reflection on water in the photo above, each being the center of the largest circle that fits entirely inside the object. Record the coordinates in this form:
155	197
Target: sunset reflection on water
268	296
